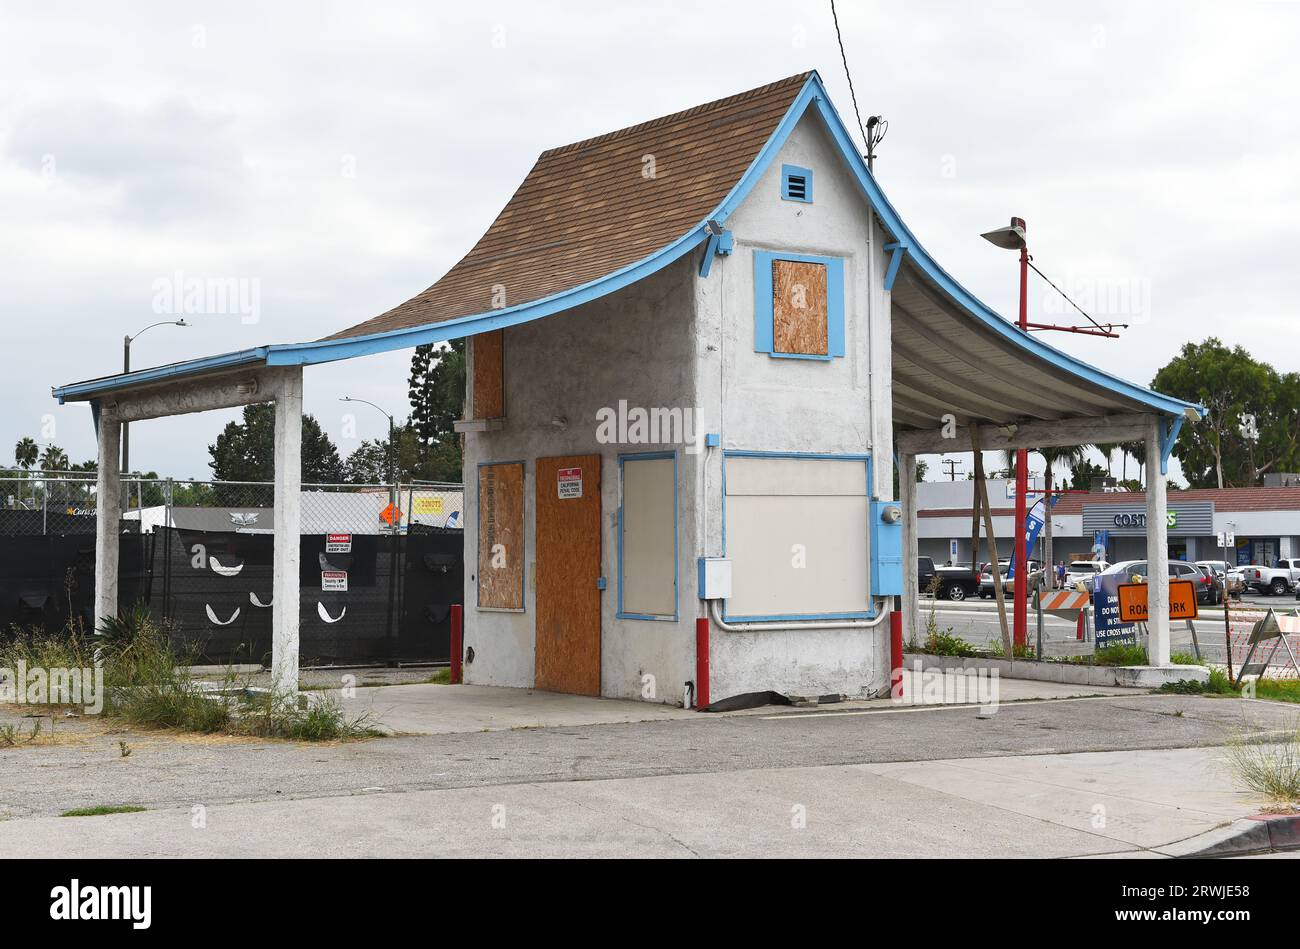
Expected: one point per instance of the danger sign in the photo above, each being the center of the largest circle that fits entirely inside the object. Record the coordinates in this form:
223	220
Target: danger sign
569	483
338	543
1133	601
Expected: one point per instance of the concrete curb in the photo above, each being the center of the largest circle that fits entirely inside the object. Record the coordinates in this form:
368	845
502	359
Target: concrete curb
1134	677
1258	834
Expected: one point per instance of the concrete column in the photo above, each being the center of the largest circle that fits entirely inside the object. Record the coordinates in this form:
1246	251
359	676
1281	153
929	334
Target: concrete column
911	545
288	505
108	516
1157	551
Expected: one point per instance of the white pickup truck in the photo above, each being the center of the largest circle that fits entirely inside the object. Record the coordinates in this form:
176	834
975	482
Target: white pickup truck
1277	580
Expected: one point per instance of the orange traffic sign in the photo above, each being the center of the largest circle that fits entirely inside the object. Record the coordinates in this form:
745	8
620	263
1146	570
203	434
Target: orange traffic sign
391	515
1133	601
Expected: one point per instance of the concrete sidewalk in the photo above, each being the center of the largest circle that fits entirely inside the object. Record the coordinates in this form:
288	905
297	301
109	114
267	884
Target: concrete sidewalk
451	709
1130	803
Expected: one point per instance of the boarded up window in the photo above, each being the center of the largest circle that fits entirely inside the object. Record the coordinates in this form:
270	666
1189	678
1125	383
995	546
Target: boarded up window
489	375
501	537
797	536
648	577
799	312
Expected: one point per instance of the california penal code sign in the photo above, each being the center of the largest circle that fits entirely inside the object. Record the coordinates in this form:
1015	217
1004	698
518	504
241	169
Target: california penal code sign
1133	601
569	483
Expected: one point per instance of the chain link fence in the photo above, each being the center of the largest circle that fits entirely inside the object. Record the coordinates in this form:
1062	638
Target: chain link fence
380	565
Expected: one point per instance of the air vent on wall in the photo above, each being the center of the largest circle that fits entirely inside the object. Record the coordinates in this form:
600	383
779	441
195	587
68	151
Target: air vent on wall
796	184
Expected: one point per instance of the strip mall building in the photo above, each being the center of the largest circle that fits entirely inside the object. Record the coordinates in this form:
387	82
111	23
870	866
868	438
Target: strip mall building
1265	522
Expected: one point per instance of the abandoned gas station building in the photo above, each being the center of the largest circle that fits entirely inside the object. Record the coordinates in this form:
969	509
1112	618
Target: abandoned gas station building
700	347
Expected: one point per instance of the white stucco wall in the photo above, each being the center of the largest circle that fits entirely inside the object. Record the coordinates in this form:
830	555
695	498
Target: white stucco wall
761	403
633	345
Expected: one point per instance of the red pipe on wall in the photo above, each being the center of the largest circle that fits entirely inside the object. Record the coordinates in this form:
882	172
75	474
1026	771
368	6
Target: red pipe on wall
896	654
701	662
457	644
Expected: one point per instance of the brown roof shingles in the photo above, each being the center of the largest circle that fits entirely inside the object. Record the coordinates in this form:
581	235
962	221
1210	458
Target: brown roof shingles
586	209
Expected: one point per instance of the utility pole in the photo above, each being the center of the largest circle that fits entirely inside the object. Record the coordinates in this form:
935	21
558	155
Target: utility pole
951	465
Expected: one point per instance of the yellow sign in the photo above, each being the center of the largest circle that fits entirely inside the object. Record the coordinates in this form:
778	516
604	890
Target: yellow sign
427	505
1133	601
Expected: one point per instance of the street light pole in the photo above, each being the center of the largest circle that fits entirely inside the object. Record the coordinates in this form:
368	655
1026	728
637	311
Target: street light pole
1012	237
394	524
126	368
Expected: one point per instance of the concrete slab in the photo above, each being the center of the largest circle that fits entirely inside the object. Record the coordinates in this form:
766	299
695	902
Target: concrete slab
1145	799
449	709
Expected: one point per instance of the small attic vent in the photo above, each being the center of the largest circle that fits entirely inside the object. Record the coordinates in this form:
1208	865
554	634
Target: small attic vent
796	184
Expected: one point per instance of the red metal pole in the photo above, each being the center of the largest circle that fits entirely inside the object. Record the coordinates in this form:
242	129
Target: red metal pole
457	643
702	662
1021	610
896	654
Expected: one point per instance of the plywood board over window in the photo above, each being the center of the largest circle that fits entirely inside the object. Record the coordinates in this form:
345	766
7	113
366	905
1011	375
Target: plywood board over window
647	564
799	310
489	375
501	536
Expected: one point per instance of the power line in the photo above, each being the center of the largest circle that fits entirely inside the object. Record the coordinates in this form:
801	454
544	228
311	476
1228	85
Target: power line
852	95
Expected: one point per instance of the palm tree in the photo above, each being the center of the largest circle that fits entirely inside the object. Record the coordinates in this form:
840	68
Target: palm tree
1067	456
26	452
54	458
1107	451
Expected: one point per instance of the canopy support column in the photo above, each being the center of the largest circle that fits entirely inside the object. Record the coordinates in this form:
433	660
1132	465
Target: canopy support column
288	510
108	516
911	546
1157	549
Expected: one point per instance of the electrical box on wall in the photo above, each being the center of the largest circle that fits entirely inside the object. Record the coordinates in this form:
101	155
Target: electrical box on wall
715	578
886	548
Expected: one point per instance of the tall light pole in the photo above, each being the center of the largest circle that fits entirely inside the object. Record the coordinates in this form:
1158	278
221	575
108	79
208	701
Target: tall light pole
1012	237
126	367
393	524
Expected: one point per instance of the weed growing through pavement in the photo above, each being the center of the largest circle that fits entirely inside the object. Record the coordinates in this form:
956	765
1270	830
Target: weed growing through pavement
1270	767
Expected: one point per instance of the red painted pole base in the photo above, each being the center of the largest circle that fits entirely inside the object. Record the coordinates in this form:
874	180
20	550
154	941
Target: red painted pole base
1078	628
896	654
702	662
457	644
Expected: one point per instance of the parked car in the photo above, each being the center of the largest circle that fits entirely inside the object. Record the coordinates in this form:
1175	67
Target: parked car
1207	592
955	581
1082	571
1227	577
1008	586
1277	580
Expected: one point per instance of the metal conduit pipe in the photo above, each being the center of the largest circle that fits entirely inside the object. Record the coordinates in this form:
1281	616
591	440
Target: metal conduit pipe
880	617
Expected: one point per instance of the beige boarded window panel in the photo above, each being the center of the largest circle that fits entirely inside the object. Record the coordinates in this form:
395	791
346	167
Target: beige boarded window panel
649	543
489	375
786	511
799	312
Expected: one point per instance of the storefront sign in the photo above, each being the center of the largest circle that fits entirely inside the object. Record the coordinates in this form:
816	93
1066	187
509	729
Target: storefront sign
1189	518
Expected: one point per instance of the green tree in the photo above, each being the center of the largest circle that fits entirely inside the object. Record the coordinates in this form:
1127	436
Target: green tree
1083	472
437	394
245	451
415	461
54	458
26	453
1253	420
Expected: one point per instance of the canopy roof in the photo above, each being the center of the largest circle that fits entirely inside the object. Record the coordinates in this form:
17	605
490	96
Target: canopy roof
595	216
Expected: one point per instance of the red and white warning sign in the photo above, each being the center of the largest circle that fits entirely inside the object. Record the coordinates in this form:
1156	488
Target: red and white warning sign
334	581
569	483
338	543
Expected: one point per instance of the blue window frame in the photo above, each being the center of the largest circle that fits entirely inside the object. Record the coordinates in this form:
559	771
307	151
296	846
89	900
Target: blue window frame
796	184
622	613
763	328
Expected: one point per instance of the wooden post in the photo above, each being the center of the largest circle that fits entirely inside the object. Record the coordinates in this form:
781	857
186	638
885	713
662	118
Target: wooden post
982	501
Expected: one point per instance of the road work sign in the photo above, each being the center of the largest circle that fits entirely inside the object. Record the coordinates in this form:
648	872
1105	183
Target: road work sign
1133	601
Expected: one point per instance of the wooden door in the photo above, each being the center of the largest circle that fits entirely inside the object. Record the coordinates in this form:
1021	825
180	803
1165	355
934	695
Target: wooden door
568	569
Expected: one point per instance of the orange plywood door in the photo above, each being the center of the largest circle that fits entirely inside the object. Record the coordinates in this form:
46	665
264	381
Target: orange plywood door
568	569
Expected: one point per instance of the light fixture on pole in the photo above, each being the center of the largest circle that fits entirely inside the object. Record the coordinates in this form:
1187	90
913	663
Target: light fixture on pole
126	368
394	521
1012	237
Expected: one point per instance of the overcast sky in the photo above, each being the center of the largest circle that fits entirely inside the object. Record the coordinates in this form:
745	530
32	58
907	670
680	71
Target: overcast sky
338	158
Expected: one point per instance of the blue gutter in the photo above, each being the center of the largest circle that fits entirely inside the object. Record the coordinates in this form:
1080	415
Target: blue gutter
813	95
